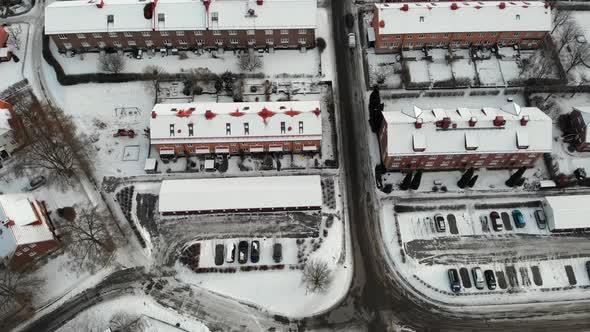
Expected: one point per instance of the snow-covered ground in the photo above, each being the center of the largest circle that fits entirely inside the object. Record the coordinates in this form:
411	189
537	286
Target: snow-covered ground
10	71
581	73
418	71
384	66
154	317
490	73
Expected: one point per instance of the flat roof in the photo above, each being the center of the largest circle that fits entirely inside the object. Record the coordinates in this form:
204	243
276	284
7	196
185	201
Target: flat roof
243	193
569	211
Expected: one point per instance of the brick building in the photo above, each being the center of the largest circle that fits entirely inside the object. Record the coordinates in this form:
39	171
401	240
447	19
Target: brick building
12	135
5	53
460	24
579	122
438	139
182	24
24	230
233	128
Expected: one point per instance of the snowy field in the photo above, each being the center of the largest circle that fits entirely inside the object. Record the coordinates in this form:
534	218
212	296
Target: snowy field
154	317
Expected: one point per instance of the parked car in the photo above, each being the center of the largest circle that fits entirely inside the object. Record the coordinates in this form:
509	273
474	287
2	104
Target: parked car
230	254
541	220
277	252
478	278
255	251
454	280
490	279
518	218
496	222
37	182
439	222
485	225
243	252
219	248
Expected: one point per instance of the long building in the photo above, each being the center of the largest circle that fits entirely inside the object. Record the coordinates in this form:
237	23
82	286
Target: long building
439	139
86	25
234	128
415	25
567	212
246	194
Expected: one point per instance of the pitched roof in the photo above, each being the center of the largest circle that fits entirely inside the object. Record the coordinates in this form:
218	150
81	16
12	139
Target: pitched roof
80	16
21	215
530	130
169	123
467	16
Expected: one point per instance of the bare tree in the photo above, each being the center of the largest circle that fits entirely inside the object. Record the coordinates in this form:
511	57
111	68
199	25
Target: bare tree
126	322
16	289
249	62
579	53
155	74
111	63
88	240
568	34
539	66
561	17
317	276
14	35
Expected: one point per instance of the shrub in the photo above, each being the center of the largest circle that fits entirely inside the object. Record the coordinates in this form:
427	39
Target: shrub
321	44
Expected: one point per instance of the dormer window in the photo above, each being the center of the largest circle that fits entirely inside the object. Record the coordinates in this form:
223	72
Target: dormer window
110	19
214	16
171	129
161	17
421	18
282	127
246	128
228	128
301	127
518	17
191	129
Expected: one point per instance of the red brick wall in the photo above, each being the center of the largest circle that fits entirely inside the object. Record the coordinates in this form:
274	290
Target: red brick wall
22	255
461	161
236	148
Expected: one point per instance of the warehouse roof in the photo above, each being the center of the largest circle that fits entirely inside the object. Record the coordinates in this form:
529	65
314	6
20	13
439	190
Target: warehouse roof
468	16
80	16
246	193
569	211
231	122
511	128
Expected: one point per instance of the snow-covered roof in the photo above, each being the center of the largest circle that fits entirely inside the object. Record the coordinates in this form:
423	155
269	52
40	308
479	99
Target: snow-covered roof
468	16
240	193
210	122
4	124
84	15
568	211
21	222
468	128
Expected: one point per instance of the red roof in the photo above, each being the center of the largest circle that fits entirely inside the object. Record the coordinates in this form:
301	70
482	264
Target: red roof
3	37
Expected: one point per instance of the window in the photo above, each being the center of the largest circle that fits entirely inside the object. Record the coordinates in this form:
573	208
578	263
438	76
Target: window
32	254
493	34
517	17
446	35
250	32
33	245
214	16
246	128
191	131
284	40
85	45
67	45
233	40
110	19
149	43
200	41
182	42
398	36
232	32
97	35
302	31
216	33
146	34
301	127
410	44
164	33
282	127
81	36
433	35
161	17
113	34
102	44
481	34
409	37
302	40
25	249
167	42
180	33
268	32
430	43
117	43
228	128
131	43
219	42
284	32
128	34
469	34
198	33
421	18
171	129
419	44
516	34
421	36
252	41
18	253
270	41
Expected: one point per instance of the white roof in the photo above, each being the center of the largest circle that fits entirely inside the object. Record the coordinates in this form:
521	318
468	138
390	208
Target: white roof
484	136
240	193
569	211
84	16
4	52
209	121
4	124
470	16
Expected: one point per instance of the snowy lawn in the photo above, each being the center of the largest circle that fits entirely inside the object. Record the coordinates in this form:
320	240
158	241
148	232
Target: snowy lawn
489	72
463	68
154	317
439	70
10	71
510	70
384	67
418	71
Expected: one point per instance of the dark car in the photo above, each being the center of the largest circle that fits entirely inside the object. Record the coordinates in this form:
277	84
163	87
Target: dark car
439	222
454	280
219	254
255	251
518	218
242	252
588	268
496	222
37	182
541	220
277	252
490	279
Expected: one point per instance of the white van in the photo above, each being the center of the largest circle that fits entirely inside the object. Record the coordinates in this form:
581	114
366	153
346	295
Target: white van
230	254
478	278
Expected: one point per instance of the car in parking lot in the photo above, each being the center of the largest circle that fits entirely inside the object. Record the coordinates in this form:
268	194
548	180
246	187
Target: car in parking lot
439	222
518	218
219	248
478	279
588	268
485	225
230	254
243	252
490	279
454	280
496	222
541	220
277	252
36	182
255	251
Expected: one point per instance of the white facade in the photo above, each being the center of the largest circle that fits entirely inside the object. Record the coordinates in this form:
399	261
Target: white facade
567	212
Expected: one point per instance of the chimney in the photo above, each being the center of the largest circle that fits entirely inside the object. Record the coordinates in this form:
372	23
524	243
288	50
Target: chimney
259	2
472	121
445	123
405	7
418	123
101	4
502	5
154	114
499	121
524	120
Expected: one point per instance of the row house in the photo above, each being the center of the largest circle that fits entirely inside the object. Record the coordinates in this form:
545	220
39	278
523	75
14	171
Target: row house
460	24
194	24
439	139
12	134
236	128
25	233
579	120
5	53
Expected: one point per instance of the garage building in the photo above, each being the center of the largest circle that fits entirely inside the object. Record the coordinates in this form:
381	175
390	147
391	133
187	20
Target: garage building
567	212
245	194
